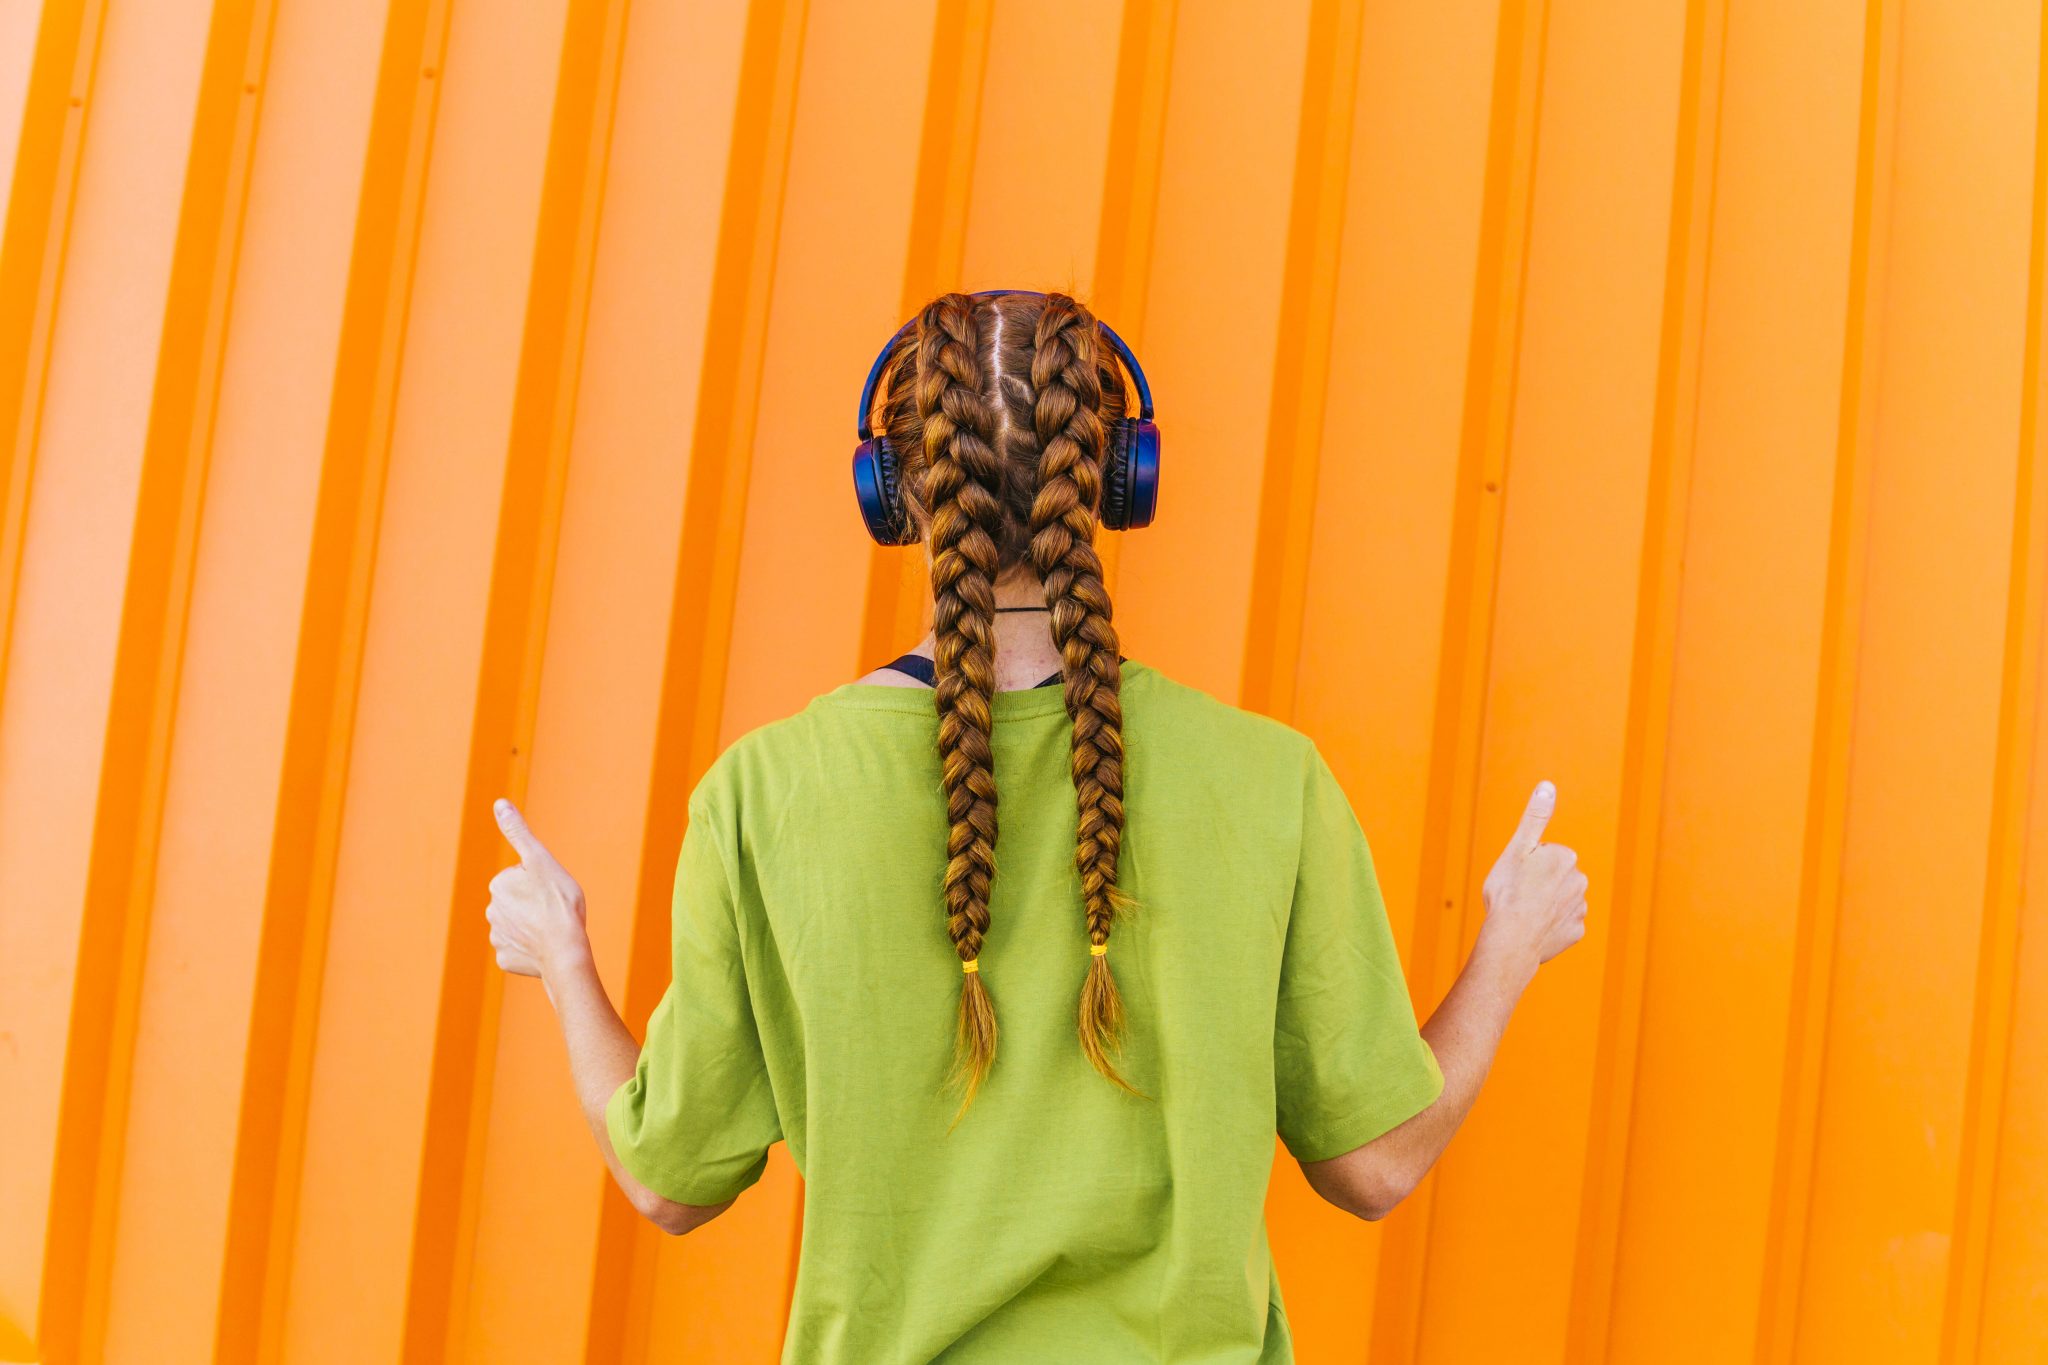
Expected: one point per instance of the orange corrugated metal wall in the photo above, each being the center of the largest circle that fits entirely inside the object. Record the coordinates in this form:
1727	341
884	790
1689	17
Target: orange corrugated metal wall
407	405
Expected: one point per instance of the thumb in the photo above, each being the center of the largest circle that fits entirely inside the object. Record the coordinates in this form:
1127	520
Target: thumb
1535	816
513	824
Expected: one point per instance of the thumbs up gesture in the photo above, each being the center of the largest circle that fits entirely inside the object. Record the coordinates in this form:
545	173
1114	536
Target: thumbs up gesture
1535	895
536	911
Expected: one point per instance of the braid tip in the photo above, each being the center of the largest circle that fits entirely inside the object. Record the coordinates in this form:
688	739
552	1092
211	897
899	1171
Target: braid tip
974	1047
1102	1023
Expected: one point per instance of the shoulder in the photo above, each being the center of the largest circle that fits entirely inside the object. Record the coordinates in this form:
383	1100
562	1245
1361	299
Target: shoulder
758	755
1182	736
1170	707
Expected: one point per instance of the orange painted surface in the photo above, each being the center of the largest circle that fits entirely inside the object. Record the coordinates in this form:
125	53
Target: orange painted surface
404	405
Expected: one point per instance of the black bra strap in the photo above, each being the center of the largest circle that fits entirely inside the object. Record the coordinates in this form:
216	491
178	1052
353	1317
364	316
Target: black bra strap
922	669
917	666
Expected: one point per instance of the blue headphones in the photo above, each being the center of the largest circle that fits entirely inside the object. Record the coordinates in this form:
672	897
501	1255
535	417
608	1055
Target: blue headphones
1130	475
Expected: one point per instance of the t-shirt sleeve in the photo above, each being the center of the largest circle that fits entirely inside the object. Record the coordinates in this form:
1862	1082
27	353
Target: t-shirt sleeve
695	1120
1349	1062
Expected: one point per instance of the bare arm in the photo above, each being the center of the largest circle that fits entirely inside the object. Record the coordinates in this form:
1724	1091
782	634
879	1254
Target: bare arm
1536	908
1464	1033
537	927
602	1056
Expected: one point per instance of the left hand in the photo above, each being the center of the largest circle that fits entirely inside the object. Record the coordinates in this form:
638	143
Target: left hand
536	911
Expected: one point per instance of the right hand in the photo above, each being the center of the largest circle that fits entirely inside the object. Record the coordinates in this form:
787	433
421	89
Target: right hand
1535	895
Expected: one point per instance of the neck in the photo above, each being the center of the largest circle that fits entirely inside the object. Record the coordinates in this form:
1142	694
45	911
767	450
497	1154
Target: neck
1024	648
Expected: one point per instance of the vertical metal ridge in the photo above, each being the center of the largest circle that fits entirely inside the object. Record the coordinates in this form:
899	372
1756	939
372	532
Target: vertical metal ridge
33	243
897	584
1301	364
539	445
1997	981
1513	143
1821	870
1688	261
142	707
1130	191
298	899
40	205
1137	144
706	583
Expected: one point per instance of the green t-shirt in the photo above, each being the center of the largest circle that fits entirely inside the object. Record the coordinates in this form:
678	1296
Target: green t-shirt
815	996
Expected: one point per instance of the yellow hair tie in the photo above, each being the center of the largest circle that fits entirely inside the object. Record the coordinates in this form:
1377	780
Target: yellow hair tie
1098	948
972	964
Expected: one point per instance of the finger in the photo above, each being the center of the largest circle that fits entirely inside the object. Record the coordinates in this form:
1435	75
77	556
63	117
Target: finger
513	824
1535	816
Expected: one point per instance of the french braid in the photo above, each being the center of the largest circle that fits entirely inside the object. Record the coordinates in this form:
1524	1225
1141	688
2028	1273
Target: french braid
1066	417
963	489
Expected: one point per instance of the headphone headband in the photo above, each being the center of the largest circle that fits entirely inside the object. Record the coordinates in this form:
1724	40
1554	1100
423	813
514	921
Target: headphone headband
1116	343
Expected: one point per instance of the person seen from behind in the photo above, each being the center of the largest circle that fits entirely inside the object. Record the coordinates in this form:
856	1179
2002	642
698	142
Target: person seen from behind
1025	949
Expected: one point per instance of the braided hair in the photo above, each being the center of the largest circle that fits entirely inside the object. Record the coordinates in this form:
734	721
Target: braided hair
1066	392
1001	430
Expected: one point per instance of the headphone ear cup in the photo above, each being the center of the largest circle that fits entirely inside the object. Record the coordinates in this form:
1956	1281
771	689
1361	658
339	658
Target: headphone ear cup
881	500
1115	476
1130	487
